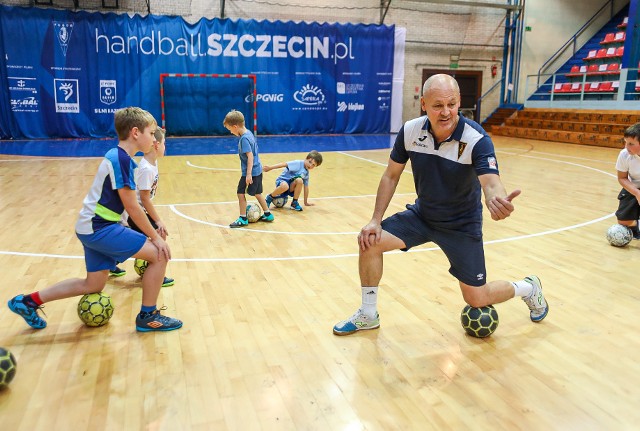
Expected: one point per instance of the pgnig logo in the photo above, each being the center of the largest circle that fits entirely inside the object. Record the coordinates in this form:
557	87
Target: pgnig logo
66	95
309	95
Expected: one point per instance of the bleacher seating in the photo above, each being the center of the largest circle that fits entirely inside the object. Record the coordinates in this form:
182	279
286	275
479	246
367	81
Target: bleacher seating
587	127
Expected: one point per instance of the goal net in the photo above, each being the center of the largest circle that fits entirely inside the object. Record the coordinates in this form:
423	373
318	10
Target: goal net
196	104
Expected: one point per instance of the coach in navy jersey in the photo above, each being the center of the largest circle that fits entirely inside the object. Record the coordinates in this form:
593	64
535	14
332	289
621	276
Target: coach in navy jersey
453	162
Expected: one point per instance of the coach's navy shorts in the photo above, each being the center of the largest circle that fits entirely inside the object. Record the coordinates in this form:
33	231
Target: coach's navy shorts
465	253
252	189
107	247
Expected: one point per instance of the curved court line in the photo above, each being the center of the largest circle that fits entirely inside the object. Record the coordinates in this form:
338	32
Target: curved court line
333	256
548	232
211	169
226	226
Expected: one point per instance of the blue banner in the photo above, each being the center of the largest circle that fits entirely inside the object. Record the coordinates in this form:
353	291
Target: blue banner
64	73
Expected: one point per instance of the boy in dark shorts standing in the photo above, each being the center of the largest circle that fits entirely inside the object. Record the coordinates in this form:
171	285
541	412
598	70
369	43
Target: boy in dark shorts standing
251	179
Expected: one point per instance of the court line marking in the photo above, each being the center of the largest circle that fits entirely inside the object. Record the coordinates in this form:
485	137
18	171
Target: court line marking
548	232
211	169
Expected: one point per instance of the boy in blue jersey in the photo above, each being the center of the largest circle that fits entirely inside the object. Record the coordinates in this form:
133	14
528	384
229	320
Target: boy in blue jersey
294	178
105	240
453	161
251	179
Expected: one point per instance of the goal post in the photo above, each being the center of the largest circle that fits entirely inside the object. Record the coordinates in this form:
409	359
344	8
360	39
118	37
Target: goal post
195	104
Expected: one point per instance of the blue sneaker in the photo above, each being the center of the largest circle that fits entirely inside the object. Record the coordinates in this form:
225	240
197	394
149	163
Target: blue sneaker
269	199
168	282
295	205
29	314
269	217
537	304
156	322
239	223
358	322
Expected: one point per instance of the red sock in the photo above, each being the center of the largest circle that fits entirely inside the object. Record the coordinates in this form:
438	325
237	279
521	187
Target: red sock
33	298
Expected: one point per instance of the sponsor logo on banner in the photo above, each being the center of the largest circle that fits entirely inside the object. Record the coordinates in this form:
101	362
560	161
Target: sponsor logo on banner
343	106
310	95
66	95
63	32
349	88
22	84
27	104
108	91
273	97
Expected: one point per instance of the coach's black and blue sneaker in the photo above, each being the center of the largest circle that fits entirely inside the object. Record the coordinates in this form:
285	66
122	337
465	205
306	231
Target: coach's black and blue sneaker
295	205
358	322
168	282
537	304
28	313
269	199
117	272
154	321
241	222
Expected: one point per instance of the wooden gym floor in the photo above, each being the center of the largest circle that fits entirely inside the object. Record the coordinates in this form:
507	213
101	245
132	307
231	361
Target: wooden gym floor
256	351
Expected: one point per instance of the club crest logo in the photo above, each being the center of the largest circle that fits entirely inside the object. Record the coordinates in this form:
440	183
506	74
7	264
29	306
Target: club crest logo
108	91
66	95
63	32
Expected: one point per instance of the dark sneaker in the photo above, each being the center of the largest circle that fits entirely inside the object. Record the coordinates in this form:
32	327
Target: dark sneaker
168	282
269	217
239	223
538	306
29	314
269	199
358	322
118	272
295	205
157	322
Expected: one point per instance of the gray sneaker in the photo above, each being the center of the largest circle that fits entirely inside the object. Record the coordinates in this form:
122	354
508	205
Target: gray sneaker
536	302
155	321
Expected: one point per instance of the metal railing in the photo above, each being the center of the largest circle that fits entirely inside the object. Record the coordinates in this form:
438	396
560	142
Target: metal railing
582	36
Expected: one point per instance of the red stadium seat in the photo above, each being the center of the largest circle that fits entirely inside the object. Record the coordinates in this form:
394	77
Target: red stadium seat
613	69
609	37
602	53
619	51
605	87
593	68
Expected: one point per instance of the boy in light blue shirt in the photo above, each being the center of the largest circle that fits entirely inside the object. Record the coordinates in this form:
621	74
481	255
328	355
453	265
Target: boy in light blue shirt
293	179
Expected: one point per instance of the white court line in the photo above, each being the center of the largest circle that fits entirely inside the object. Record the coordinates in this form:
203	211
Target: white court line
241	259
211	169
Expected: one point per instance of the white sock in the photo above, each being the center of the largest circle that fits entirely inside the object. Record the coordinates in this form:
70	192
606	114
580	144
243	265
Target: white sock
370	300
522	288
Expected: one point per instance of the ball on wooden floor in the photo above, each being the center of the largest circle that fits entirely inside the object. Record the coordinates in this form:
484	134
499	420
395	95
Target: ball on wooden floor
8	366
140	266
253	212
479	322
280	201
95	309
619	235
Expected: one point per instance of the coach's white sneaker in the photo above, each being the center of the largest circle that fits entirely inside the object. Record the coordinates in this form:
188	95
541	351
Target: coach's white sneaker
357	322
536	302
